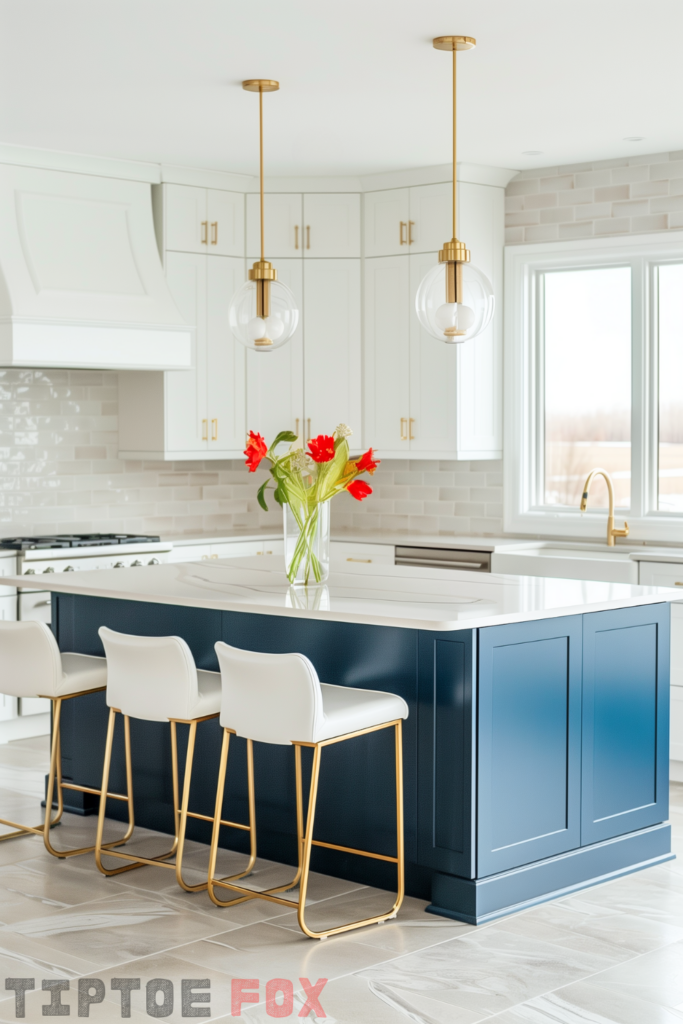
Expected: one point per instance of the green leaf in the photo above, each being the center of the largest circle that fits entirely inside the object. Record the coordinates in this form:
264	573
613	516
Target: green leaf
334	470
284	435
262	495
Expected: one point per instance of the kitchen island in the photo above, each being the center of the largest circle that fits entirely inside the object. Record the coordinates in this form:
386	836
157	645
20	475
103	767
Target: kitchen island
536	751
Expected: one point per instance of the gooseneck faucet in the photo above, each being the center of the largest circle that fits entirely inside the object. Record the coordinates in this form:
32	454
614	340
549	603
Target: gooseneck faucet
611	532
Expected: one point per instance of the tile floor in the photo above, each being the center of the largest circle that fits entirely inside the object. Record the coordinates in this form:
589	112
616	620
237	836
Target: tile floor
612	954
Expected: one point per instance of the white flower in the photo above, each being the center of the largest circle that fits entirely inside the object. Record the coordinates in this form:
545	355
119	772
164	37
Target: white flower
343	431
300	461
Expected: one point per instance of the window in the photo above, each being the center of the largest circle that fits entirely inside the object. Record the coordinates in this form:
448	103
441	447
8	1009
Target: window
594	378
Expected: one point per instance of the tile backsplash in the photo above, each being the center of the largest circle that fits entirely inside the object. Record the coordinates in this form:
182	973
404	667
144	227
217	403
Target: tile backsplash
60	472
626	196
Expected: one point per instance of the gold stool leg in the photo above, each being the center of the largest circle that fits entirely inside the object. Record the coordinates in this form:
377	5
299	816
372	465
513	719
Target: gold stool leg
181	826
55	764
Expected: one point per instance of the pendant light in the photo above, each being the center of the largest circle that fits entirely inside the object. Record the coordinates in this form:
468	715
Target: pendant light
455	300
263	313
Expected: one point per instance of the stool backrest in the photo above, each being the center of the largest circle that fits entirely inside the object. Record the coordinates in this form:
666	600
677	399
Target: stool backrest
149	677
274	698
30	663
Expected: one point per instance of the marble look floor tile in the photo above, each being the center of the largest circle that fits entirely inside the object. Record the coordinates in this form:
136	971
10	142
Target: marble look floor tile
655	894
33	891
266	951
413	929
21	956
112	931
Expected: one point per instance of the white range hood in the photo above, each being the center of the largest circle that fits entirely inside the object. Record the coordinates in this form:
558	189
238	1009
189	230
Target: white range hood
81	281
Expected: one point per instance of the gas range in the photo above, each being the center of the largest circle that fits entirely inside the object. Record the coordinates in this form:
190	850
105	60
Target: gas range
78	552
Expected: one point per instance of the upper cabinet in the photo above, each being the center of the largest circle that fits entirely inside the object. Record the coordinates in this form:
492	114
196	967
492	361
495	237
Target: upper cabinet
407	220
423	398
325	224
201	220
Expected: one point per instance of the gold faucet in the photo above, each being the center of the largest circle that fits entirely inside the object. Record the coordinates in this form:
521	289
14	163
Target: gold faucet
611	532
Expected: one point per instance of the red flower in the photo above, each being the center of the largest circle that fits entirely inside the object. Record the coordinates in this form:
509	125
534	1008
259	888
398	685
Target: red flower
255	450
358	489
367	463
321	448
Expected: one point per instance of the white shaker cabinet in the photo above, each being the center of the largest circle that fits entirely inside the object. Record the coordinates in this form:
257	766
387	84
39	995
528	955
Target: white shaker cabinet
197	413
332	346
200	220
408	220
275	396
331	225
422	397
283	225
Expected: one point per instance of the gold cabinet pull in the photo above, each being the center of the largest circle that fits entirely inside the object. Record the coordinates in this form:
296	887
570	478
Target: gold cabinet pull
308	421
205	430
367	561
296	430
403	233
214	232
411	225
678	583
296	236
308	236
404	428
411	435
205	232
214	430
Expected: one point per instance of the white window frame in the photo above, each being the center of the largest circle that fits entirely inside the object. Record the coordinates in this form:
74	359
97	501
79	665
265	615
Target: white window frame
523	512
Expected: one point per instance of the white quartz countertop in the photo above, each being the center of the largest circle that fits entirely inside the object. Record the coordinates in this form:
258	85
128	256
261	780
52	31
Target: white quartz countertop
403	596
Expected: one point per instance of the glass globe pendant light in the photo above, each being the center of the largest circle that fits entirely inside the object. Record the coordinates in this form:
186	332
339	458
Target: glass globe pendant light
263	313
455	300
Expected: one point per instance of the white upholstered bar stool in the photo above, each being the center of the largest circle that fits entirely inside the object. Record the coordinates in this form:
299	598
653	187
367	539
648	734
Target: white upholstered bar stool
278	698
31	666
154	678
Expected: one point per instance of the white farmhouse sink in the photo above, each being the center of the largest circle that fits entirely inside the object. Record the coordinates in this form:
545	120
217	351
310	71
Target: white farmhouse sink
568	561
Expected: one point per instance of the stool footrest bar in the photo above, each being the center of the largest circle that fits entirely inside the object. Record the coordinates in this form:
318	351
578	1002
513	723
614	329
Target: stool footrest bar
359	853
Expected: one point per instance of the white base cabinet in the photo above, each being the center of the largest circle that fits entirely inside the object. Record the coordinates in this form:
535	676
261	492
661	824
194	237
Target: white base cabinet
423	398
197	413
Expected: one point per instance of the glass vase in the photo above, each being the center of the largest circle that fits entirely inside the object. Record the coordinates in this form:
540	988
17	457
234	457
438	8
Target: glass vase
307	543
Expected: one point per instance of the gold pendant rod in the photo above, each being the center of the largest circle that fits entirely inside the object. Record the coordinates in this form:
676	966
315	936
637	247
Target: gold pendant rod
260	123
455	197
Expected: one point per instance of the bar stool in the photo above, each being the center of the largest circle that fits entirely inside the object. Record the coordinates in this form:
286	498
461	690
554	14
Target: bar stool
31	666
154	678
278	698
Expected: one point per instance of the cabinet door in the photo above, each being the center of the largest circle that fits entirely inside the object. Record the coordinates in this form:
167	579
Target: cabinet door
275	380
225	213
187	424
332	225
387	360
185	218
446	809
8	608
386	216
332	353
225	362
284	236
343	553
529	742
625	721
480	405
434	391
431	217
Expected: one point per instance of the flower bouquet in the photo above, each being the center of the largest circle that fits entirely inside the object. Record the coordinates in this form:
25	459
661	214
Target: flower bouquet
304	482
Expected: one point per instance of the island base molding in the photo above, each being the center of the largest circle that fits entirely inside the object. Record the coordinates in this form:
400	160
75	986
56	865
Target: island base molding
479	900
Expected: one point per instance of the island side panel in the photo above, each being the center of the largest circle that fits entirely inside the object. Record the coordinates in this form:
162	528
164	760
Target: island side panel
447	751
529	742
625	721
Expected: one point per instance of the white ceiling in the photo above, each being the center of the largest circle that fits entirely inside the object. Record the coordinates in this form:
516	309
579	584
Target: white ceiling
362	89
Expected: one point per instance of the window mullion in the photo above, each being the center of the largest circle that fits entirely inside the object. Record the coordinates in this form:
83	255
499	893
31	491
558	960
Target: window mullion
640	382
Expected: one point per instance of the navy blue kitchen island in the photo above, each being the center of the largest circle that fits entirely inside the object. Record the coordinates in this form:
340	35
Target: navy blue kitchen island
536	751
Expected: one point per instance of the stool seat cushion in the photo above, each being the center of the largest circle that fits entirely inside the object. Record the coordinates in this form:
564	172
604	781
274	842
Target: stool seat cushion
80	672
347	709
209	697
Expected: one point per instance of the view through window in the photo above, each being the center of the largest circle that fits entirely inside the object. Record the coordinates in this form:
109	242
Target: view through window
587	332
671	388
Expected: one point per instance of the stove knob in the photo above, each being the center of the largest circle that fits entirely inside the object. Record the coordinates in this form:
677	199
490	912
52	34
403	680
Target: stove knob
153	561
136	562
29	572
69	568
119	565
49	569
